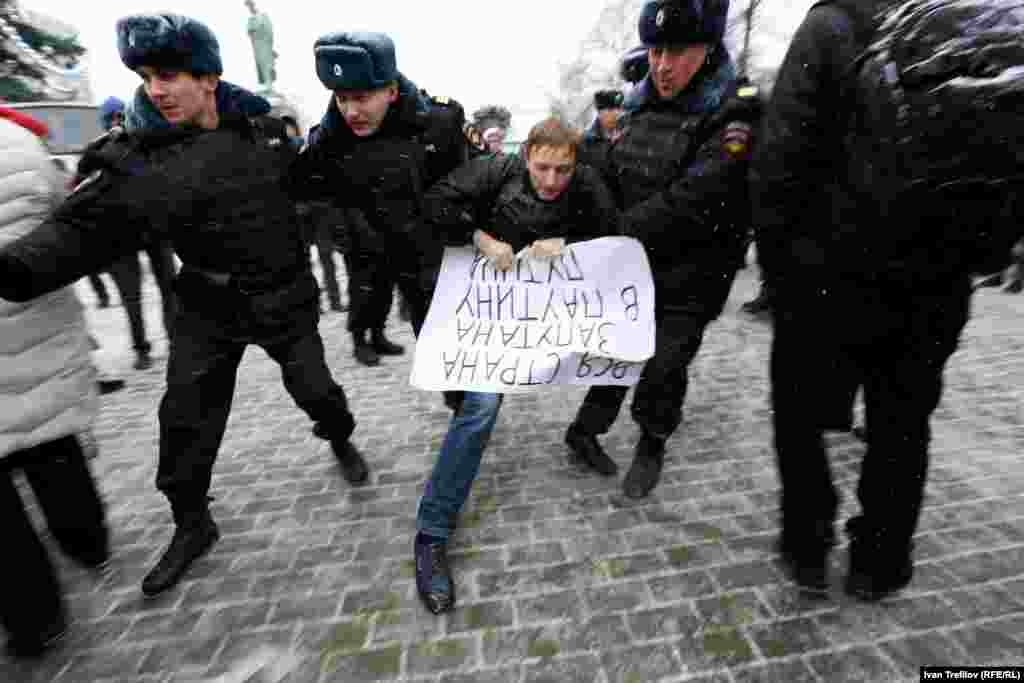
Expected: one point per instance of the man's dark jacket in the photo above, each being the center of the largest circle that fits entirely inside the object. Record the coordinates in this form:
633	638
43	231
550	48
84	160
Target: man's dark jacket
496	195
220	196
379	181
682	195
815	236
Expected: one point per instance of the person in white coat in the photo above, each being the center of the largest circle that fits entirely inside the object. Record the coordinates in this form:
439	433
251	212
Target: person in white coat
47	397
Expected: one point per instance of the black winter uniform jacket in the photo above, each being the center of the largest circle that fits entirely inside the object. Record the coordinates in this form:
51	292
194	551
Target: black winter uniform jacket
220	196
682	195
379	180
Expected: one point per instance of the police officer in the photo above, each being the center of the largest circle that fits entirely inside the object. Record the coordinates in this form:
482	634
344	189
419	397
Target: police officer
604	130
679	170
379	146
206	168
841	318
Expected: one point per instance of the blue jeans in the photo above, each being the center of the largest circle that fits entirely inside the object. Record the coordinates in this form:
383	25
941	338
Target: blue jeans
458	463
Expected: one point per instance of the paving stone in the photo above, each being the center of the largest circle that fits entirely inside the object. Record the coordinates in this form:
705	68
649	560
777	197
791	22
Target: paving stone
368	665
993	643
857	665
743	607
674	587
481	615
540	553
680	619
645	663
787	671
549	607
912	652
579	669
715	647
179	624
95	664
505	675
434	656
177	655
789	637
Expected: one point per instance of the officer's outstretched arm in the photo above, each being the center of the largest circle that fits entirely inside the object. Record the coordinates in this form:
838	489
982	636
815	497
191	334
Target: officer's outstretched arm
461	202
97	224
696	207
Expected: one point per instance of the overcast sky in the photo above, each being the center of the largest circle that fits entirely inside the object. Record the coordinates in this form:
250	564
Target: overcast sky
474	51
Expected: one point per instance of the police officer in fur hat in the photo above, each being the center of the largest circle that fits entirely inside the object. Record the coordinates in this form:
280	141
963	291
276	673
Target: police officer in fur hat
379	146
203	165
679	171
604	129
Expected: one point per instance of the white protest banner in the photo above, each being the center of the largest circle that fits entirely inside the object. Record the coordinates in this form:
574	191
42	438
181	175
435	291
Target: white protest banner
584	317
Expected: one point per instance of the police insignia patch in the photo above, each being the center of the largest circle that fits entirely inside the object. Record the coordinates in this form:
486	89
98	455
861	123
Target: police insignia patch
441	99
659	19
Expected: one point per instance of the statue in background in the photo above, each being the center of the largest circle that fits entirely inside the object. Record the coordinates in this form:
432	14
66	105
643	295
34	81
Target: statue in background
261	33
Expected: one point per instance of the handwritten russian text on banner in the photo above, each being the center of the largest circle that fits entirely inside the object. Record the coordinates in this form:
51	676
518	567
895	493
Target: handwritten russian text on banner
585	317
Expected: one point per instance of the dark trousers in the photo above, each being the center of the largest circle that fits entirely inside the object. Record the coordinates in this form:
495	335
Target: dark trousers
127	274
100	288
371	282
325	251
200	384
658	399
30	594
898	349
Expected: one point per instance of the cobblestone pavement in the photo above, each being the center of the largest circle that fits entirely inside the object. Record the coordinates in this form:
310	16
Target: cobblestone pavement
559	577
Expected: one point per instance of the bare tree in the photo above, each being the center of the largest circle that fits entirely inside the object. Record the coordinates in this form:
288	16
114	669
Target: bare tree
596	65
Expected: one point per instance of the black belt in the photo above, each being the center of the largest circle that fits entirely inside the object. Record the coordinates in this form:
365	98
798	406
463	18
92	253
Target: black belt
242	284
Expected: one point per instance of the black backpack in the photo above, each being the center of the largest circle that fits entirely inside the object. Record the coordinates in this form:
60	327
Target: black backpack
935	141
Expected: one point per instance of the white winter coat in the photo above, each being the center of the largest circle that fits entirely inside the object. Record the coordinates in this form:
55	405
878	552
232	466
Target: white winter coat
47	379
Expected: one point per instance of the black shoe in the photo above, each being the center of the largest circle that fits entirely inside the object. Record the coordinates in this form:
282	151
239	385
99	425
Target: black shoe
645	471
587	449
353	466
1014	287
453	400
877	569
365	354
143	361
860	433
993	280
434	580
109	386
38	645
187	546
807	566
384	347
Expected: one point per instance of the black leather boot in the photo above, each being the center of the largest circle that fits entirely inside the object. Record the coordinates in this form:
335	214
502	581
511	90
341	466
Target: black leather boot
588	450
645	471
189	543
878	567
363	351
805	557
383	346
434	581
353	466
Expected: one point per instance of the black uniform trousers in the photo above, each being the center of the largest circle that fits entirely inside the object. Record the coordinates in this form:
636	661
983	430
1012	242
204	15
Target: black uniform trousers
897	350
372	279
658	399
30	593
127	274
208	345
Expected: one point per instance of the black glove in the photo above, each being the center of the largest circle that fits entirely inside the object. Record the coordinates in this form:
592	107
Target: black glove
15	279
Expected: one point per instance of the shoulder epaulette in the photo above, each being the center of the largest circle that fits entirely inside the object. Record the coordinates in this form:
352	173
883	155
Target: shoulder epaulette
747	91
442	100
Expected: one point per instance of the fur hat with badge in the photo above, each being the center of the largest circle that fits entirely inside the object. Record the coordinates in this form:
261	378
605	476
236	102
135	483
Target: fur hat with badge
683	22
168	41
355	61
